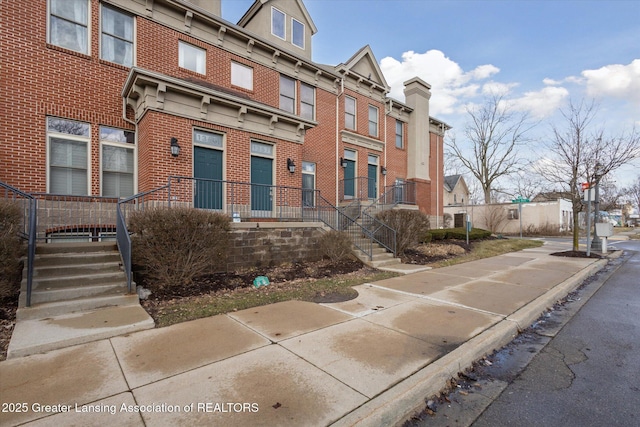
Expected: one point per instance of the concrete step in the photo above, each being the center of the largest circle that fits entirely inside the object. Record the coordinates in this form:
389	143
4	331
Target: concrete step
76	269
60	331
39	296
46	310
76	247
76	281
68	259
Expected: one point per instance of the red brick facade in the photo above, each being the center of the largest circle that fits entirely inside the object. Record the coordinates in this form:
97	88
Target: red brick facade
41	80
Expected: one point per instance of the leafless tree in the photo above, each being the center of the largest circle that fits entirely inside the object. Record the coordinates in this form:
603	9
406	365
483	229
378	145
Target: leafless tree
574	150
494	131
610	195
633	194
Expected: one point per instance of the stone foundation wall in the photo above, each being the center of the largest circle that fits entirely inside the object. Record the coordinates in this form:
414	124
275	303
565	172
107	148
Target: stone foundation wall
264	244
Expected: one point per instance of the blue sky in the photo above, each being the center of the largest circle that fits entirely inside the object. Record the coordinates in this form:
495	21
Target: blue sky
538	53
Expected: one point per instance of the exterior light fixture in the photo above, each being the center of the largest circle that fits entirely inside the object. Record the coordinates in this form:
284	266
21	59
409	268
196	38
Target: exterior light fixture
343	162
175	148
291	166
383	170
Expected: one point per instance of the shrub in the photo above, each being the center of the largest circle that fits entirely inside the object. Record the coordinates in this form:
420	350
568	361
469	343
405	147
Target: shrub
11	248
461	233
335	245
411	226
439	234
175	246
447	219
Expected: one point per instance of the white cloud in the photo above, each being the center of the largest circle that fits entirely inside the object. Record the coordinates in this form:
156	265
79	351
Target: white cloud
541	103
551	82
497	88
449	81
616	80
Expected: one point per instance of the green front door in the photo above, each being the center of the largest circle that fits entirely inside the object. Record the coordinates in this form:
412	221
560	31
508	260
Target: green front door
261	180
207	166
349	179
372	189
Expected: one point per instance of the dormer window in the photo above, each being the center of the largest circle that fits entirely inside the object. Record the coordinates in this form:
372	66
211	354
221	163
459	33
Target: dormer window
297	33
278	23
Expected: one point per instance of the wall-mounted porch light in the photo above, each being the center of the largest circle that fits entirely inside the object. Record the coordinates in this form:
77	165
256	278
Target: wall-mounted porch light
343	162
383	170
291	166
175	148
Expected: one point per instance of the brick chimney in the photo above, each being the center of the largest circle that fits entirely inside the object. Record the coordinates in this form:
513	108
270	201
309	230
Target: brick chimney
417	93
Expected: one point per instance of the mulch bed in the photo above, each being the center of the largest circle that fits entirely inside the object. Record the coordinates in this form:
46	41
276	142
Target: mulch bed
577	254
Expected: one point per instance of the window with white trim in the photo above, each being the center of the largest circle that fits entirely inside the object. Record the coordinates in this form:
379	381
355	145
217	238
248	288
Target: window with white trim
307	101
117	160
191	57
297	33
278	23
241	76
287	94
68	158
69	24
349	112
373	121
308	184
116	42
399	134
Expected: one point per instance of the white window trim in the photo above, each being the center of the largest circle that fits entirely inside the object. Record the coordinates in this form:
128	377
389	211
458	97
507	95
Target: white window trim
133	42
204	71
243	66
88	52
401	134
86	139
133	146
377	121
355	113
313	88
295	93
284	23
303	34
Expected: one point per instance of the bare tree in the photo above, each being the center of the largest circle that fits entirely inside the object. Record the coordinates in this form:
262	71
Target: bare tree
494	131
633	193
575	149
610	195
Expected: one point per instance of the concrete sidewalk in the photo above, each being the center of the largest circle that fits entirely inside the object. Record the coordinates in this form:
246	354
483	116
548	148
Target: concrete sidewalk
370	361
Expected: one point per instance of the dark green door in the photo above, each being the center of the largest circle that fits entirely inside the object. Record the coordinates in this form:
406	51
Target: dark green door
372	189
349	179
207	166
261	180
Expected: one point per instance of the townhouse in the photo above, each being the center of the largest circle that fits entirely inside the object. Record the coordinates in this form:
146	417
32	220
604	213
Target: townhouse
110	98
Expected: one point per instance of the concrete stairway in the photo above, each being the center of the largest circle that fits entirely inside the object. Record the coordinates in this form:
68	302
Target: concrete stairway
79	294
381	258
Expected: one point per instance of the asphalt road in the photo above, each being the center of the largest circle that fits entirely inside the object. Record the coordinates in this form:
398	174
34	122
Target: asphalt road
578	365
589	373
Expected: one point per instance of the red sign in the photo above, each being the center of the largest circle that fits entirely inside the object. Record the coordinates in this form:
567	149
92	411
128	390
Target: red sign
585	186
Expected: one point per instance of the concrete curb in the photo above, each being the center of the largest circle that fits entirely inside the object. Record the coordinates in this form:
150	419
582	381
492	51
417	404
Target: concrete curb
395	405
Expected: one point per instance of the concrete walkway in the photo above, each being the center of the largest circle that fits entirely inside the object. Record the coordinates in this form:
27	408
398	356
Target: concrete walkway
370	361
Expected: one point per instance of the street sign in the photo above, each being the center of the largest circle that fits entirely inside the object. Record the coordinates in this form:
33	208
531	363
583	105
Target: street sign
585	185
590	195
520	200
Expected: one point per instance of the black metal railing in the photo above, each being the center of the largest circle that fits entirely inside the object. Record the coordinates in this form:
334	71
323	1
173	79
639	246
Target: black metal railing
358	188
403	194
28	204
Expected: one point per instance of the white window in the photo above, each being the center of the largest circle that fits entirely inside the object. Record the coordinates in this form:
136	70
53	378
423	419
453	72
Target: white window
278	23
287	94
68	158
373	121
191	57
297	33
116	43
69	24
399	134
349	113
241	76
117	162
308	184
307	101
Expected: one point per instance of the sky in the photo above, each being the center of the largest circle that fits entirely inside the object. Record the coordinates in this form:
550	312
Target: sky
538	54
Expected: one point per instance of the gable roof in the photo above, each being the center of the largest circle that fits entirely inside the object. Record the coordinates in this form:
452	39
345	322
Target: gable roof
363	63
257	5
451	181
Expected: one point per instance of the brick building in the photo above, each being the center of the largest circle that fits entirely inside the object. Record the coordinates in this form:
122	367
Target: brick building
98	93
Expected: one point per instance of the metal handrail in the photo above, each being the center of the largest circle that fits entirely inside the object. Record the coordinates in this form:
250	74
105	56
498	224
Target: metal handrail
28	232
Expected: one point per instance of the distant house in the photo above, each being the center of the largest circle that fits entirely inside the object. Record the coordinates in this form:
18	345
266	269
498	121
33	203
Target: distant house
456	192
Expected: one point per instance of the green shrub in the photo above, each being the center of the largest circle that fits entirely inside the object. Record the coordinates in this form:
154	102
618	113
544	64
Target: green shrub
174	246
11	248
411	226
335	245
427	238
439	234
460	233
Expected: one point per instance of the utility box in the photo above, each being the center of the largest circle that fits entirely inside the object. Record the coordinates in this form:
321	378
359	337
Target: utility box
604	229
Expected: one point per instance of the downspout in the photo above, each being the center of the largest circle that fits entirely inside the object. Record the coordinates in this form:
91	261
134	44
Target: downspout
337	165
135	125
384	186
